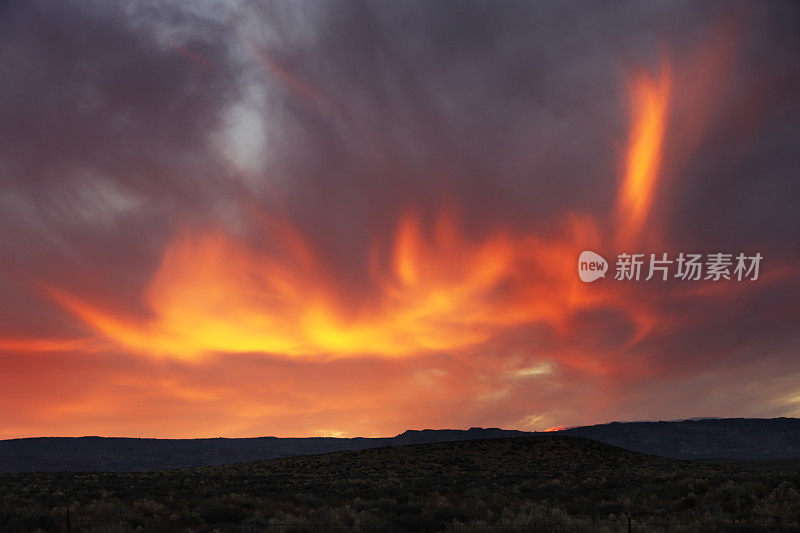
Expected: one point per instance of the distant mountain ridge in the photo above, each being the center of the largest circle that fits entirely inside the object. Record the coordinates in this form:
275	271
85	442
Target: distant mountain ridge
702	438
708	438
122	454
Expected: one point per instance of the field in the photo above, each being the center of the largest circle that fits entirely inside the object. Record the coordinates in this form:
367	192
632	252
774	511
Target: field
539	483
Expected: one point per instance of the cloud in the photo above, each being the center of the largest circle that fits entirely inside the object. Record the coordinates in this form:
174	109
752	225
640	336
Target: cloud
284	218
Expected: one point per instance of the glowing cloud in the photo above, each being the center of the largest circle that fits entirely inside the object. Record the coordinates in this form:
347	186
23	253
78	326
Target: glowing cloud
436	290
644	152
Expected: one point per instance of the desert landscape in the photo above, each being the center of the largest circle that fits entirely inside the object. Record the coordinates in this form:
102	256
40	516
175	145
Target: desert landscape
538	482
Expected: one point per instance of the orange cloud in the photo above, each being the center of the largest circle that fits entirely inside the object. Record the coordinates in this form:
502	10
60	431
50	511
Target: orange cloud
650	99
434	290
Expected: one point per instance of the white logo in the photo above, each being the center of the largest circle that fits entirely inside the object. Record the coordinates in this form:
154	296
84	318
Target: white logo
714	267
591	266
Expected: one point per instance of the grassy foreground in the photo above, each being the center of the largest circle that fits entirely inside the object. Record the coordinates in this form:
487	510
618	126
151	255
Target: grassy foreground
550	482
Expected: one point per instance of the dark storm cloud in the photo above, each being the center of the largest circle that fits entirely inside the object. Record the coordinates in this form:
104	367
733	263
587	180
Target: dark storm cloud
489	105
739	186
515	111
105	134
520	111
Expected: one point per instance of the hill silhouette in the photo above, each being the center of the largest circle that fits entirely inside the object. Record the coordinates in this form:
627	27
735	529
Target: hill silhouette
119	454
722	438
734	438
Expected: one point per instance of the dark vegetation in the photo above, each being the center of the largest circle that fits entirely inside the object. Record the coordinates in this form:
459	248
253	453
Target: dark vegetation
544	480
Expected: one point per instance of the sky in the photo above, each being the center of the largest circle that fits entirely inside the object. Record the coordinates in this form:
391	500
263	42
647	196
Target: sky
348	218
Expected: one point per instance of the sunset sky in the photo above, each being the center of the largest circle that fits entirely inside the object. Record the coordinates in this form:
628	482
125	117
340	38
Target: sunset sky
223	218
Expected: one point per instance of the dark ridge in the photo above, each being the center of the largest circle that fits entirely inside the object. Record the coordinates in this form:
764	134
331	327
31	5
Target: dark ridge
724	439
120	454
714	438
